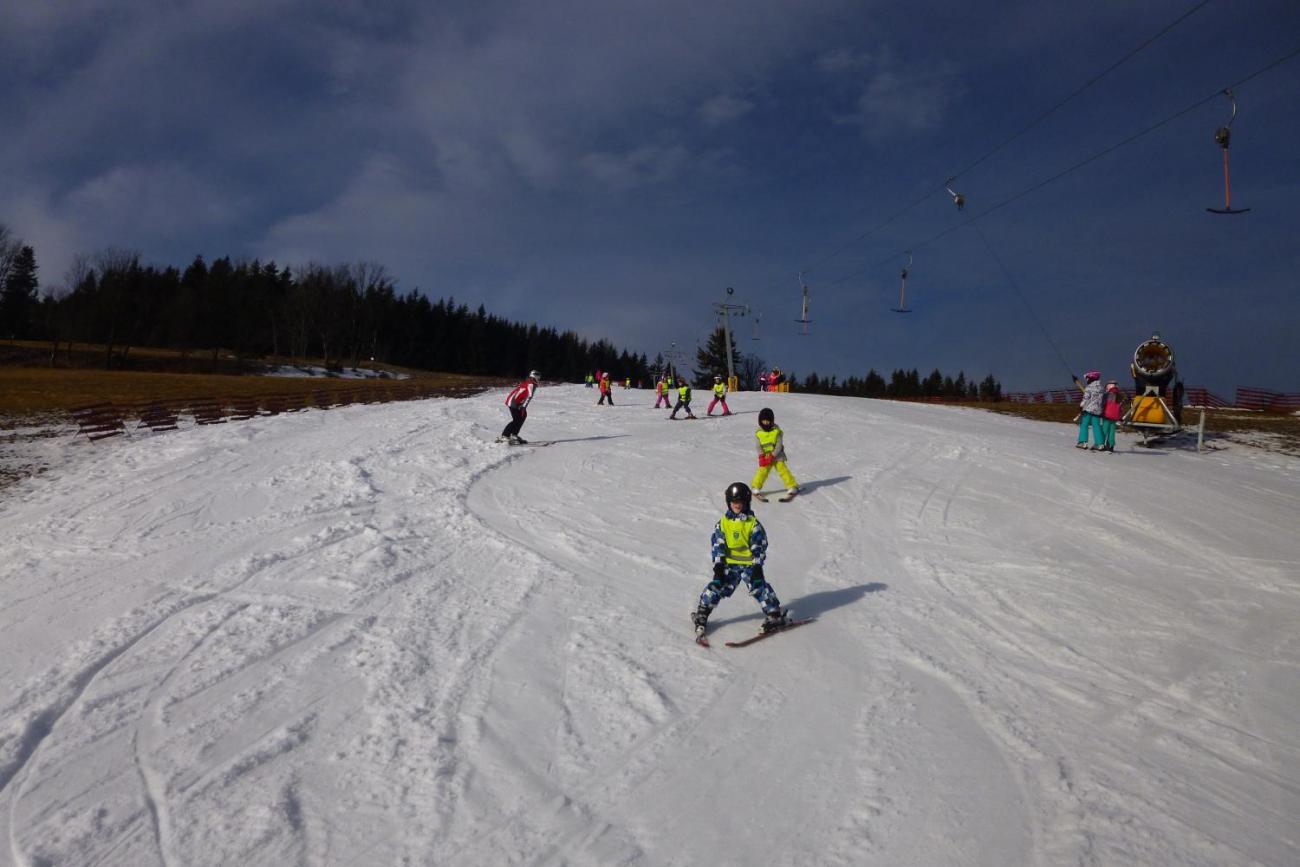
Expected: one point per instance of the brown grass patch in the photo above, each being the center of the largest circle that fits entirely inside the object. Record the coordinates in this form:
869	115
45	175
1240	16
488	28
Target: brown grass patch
36	391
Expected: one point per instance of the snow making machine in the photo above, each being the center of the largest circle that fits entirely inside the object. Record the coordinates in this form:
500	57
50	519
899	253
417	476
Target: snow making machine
1157	407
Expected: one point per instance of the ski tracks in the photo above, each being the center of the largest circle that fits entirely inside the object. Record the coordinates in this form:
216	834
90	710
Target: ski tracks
640	715
214	687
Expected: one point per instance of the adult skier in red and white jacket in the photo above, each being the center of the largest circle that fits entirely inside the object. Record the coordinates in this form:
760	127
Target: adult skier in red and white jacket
517	402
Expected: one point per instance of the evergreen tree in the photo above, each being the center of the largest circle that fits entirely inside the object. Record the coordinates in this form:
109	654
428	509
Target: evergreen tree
990	389
933	384
18	297
711	359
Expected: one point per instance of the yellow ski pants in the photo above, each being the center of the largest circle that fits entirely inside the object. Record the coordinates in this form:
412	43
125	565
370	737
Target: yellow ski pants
781	469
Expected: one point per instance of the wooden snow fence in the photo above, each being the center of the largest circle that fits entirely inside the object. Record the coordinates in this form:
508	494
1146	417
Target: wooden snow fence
99	421
107	419
158	416
206	410
275	404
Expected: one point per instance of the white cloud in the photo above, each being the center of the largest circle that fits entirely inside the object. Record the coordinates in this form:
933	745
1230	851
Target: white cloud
724	108
899	100
646	164
150	201
843	60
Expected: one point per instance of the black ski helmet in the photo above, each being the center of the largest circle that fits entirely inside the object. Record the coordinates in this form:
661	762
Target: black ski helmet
766	414
739	491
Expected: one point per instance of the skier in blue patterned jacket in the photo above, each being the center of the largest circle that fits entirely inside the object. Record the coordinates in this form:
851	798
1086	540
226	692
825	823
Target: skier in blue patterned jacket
739	550
1090	412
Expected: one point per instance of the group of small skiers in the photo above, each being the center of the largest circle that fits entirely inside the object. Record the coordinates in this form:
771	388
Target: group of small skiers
1099	412
739	542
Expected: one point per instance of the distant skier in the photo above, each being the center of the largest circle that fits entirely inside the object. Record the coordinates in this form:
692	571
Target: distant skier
1112	410
719	395
739	550
771	453
661	389
1090	411
517	402
683	400
606	392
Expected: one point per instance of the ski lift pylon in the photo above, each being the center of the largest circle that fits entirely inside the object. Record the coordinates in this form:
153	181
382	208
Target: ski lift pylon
902	289
1223	136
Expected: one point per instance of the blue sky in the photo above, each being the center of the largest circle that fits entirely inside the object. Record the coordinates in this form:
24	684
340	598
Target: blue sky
613	167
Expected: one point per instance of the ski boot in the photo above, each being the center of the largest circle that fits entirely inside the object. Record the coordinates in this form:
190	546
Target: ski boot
776	620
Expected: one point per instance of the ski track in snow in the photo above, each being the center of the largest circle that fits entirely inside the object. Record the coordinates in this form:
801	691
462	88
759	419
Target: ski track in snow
372	636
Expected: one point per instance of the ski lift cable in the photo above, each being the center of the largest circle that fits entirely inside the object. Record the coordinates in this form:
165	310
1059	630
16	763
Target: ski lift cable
1006	272
1089	83
1086	161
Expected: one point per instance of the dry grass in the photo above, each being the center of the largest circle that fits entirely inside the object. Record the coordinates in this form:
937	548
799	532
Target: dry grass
37	391
35	402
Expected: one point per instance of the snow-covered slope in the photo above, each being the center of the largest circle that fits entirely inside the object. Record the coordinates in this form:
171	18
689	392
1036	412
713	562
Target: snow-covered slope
372	636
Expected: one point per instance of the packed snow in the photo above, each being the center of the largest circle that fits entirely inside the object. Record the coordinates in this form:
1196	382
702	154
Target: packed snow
373	636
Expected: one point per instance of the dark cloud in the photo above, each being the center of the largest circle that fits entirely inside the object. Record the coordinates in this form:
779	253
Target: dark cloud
609	166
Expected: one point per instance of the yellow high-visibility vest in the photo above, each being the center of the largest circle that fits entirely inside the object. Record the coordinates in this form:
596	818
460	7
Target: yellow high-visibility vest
767	439
737	532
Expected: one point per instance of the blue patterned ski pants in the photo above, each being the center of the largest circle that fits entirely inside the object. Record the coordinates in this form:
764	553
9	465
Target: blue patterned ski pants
715	591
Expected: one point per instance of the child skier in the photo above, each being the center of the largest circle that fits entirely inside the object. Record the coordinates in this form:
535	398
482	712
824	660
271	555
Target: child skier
517	402
771	452
1112	410
1090	411
661	389
719	395
606	394
739	550
683	400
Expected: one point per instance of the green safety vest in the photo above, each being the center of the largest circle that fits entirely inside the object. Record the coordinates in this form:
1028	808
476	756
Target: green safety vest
737	532
684	392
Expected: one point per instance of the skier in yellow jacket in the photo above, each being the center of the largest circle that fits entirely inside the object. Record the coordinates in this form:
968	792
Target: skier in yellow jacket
771	452
719	396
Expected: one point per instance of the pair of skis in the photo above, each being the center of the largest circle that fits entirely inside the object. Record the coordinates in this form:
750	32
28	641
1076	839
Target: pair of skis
787	498
703	641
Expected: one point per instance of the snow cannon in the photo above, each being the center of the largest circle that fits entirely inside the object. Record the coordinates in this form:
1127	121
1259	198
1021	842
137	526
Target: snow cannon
1157	407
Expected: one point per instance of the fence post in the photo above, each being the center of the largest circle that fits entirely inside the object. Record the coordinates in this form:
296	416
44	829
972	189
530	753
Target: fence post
1200	432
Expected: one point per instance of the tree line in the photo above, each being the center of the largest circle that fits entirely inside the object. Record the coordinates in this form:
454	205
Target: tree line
347	314
343	314
711	360
907	384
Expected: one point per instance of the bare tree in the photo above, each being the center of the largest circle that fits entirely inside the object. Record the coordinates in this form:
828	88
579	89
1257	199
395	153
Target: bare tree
114	299
10	246
373	285
750	367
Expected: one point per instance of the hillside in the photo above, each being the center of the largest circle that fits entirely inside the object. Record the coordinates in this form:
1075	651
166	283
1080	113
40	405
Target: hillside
373	636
